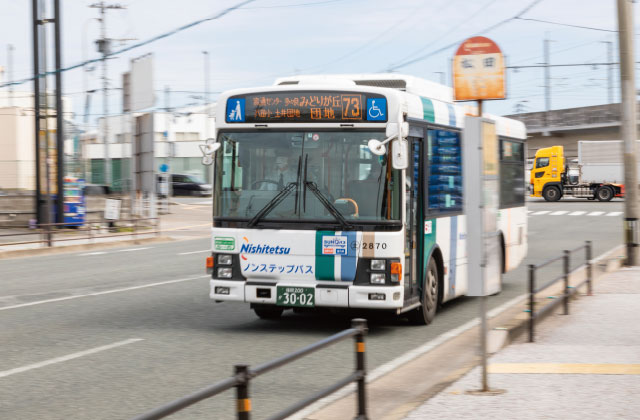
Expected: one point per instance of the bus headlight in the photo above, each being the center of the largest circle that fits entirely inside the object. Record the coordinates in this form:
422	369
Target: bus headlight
225	272
378	278
225	259
378	265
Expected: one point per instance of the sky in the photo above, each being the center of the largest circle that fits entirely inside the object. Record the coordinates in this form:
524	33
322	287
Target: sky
265	39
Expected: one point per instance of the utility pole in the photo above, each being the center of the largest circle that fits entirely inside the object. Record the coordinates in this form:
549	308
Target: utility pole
206	94
547	83
10	71
104	47
629	130
609	71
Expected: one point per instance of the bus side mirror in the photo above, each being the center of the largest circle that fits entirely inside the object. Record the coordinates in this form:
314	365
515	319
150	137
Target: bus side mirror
208	150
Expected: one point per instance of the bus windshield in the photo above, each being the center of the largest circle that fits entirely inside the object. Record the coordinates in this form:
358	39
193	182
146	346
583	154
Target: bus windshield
288	176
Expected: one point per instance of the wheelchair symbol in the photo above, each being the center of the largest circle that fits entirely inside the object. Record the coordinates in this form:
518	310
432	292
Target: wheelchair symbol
374	111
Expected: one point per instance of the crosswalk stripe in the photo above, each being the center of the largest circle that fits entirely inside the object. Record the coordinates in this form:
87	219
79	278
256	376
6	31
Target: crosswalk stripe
540	212
558	213
595	213
577	213
614	213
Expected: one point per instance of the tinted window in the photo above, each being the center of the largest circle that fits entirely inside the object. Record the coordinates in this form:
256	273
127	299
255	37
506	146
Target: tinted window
444	160
542	162
512	183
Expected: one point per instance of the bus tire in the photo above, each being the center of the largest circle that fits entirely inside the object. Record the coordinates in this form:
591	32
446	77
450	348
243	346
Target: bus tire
604	193
268	311
425	314
551	193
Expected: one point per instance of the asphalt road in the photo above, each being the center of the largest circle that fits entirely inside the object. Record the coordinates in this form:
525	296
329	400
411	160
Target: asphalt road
110	334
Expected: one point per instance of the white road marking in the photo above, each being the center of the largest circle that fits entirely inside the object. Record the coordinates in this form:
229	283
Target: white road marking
614	213
577	213
67	357
106	292
194	252
93	253
132	249
595	213
558	213
540	212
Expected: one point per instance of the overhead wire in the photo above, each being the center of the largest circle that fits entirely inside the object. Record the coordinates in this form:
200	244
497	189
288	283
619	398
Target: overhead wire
453	44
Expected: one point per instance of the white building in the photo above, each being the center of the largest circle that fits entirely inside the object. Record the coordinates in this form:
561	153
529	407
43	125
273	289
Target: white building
177	136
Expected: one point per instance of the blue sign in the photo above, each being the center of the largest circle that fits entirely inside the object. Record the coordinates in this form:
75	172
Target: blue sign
376	109
164	167
235	110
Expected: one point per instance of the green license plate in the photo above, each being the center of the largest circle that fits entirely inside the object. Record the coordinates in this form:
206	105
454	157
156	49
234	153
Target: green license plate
295	296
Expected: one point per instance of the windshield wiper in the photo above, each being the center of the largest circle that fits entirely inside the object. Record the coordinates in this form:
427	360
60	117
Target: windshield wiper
332	209
272	204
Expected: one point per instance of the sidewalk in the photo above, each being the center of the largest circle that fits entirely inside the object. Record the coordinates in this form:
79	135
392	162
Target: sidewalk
582	366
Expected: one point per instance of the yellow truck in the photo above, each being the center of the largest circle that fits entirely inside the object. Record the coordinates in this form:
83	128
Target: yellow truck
596	176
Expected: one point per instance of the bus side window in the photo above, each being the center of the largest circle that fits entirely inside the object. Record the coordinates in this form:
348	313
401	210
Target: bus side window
512	182
444	171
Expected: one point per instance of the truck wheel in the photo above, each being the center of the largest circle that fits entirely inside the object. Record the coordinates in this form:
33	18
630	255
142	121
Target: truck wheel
604	193
268	311
427	311
551	193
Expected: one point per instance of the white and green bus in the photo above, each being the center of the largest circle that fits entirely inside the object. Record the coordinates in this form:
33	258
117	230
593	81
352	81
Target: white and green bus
309	212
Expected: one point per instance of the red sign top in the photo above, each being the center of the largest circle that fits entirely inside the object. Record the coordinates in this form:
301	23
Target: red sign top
478	45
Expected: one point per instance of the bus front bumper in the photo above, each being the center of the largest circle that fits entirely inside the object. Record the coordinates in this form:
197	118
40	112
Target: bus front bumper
338	295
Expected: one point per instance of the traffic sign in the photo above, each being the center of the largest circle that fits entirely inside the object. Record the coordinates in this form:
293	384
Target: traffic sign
478	70
164	168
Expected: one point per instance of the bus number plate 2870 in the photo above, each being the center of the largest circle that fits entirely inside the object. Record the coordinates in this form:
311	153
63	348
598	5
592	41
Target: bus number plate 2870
295	296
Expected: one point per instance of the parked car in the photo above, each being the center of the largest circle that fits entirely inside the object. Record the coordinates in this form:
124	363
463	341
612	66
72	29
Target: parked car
182	184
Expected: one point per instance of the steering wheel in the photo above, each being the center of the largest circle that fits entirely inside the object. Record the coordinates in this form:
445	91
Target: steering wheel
258	183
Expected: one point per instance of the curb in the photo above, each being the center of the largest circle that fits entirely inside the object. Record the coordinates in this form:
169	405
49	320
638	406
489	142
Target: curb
448	354
35	252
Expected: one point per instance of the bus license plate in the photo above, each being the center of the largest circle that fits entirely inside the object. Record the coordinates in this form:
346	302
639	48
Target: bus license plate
295	296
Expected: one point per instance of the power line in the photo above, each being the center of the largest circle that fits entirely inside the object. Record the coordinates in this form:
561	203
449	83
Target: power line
453	44
137	45
567	24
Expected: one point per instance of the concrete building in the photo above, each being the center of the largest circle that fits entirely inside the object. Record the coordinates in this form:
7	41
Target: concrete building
565	127
177	136
17	144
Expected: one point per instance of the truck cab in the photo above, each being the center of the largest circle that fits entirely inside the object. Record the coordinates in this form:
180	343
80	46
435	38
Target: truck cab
546	174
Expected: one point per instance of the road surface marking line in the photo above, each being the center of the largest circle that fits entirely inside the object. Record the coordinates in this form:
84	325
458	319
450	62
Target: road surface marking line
186	227
577	213
93	253
405	358
132	249
595	213
567	368
67	357
106	292
614	213
194	252
558	213
540	212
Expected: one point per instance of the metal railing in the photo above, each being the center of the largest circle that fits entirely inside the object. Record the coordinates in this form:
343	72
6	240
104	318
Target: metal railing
51	232
243	374
567	290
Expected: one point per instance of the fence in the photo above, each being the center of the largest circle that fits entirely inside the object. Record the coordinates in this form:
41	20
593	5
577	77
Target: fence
567	290
243	375
51	232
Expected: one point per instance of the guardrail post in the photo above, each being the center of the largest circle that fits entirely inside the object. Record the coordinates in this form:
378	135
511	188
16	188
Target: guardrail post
532	303
361	325
135	229
243	402
566	281
589	270
49	238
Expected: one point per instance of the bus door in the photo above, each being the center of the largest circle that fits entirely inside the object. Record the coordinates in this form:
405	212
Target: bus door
413	238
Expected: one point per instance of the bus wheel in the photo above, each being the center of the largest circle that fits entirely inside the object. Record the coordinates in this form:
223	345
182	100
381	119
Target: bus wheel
268	311
604	194
551	193
427	311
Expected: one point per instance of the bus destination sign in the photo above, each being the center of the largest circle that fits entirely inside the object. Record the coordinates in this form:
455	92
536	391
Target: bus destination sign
306	107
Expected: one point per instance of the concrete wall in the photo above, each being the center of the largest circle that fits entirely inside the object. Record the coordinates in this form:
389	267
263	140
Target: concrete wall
569	140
